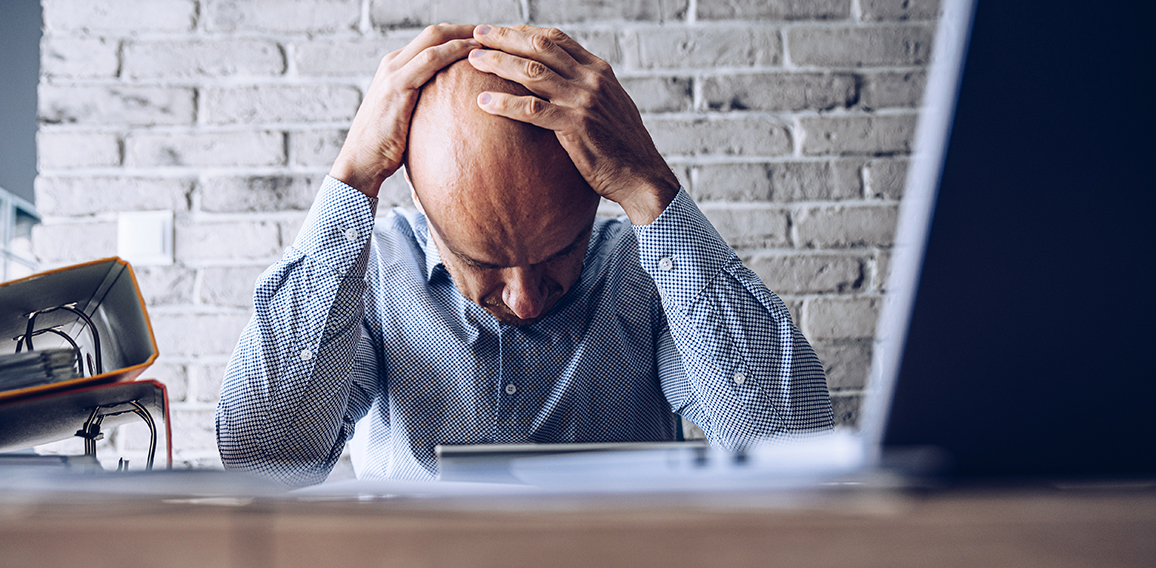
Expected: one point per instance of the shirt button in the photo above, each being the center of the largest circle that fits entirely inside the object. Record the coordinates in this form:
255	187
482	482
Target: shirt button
351	235
740	378
306	354
665	263
511	389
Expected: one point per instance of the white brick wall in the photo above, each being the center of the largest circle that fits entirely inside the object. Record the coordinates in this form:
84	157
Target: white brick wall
788	120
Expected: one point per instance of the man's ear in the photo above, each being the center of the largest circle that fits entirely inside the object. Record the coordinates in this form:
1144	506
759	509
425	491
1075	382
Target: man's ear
413	192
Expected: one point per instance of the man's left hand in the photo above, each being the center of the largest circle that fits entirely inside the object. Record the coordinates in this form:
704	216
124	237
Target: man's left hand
579	98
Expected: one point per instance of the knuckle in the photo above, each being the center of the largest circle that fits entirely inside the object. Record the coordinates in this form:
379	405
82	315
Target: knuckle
556	35
541	43
431	31
535	70
535	107
427	57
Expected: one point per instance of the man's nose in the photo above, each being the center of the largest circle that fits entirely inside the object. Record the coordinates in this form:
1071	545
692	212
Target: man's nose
525	292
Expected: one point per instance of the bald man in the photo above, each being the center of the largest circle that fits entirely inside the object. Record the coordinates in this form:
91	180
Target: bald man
503	310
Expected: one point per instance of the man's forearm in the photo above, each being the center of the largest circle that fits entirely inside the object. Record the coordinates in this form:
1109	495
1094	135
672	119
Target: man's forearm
749	374
285	399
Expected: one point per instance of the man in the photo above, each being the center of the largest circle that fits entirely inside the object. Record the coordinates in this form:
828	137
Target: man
502	312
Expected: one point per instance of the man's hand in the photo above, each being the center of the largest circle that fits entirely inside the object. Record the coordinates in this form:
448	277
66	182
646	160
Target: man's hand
578	98
375	146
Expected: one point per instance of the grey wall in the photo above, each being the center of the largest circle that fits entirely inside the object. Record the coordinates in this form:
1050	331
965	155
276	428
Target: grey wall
19	72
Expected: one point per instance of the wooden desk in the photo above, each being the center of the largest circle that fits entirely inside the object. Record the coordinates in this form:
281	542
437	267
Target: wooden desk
1033	526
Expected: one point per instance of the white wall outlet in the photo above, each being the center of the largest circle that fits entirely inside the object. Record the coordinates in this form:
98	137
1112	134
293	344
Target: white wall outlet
145	238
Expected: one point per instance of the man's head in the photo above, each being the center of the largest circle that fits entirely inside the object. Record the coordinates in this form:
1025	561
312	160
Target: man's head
508	211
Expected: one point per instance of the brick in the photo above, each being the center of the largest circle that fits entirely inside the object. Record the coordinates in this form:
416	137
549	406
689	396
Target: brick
165	285
849	173
391	14
846	408
795	307
603	44
846	226
778	92
269	103
240	240
860	46
173	375
197	334
229	286
221	149
774	9
205	381
887	177
333	57
898	10
781	182
64	150
291	227
61	244
116	105
291	16
857	135
660	94
892	89
199	58
79	58
315	148
193	430
677	48
847	362
748	226
559	11
725	137
881	271
792	273
121	16
841	318
259	193
88	195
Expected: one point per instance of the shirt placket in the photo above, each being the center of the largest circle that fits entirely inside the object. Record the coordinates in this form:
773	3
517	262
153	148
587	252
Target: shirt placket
506	427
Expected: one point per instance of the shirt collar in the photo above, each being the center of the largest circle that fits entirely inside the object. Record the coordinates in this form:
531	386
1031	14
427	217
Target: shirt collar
433	259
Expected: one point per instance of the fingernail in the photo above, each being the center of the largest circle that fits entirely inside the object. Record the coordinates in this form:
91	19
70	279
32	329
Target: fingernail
477	53
484	99
483	30
473	43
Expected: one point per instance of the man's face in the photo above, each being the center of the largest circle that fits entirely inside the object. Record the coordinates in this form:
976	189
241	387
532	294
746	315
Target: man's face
515	276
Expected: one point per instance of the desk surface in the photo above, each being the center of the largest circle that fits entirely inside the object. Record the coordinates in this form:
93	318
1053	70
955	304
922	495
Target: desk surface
1037	525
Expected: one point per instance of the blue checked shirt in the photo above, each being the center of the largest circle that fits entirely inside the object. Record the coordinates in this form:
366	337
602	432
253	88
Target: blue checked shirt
355	322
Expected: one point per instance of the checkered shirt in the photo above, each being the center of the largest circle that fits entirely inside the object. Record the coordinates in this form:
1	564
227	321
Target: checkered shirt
355	322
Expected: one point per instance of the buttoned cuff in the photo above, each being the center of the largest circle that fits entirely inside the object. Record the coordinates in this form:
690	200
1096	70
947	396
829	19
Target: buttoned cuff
338	226
681	251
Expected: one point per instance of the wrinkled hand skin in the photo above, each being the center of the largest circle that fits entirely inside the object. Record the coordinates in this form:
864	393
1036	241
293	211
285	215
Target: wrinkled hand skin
375	147
580	99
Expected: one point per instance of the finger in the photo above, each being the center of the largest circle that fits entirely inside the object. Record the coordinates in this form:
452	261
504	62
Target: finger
532	110
532	45
567	43
534	75
429	61
431	36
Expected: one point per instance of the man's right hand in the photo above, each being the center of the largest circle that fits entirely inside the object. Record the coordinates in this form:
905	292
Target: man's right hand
375	147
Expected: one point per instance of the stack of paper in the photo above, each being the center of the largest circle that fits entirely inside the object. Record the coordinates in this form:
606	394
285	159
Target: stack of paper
32	368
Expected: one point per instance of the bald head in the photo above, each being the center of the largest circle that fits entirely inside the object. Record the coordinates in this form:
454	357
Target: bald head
466	164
